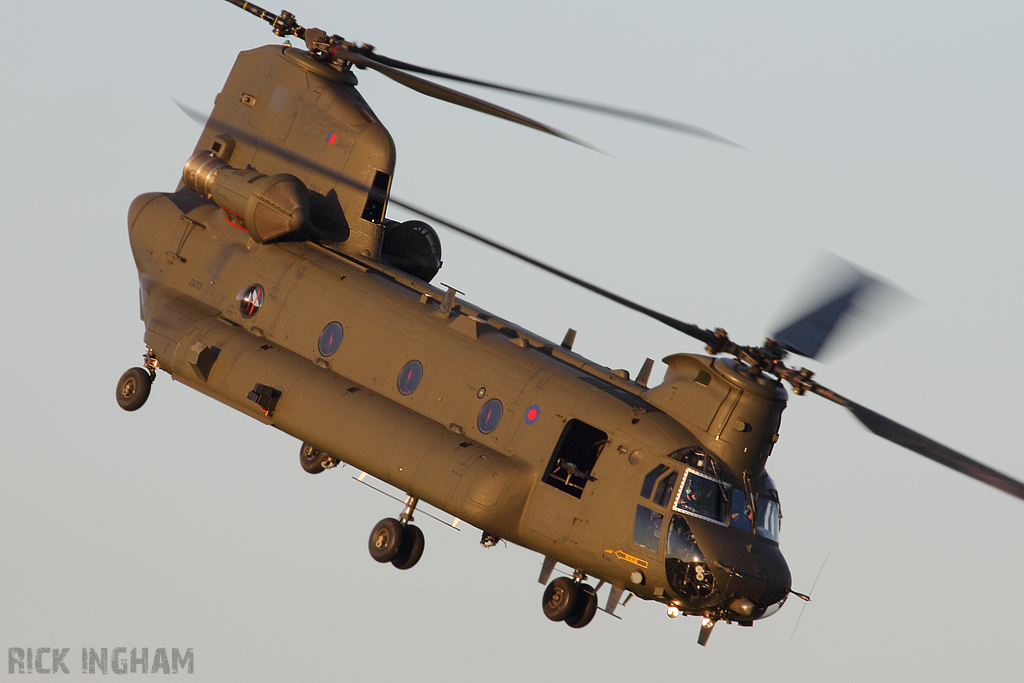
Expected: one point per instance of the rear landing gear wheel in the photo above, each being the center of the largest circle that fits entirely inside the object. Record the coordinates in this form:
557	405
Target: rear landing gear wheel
133	388
386	540
314	460
560	598
586	607
411	549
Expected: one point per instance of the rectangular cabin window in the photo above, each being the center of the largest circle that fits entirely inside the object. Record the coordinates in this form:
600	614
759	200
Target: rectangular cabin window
574	458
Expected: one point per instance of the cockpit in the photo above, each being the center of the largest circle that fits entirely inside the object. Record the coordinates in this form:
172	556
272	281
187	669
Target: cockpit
671	498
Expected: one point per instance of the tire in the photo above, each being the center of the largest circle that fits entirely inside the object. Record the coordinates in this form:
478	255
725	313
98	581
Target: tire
133	388
586	607
386	540
560	598
412	548
311	458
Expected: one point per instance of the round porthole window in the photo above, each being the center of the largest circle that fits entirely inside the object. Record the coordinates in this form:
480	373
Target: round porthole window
410	376
489	417
330	339
249	300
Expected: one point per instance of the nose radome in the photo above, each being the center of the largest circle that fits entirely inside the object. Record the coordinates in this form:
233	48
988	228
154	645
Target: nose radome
759	581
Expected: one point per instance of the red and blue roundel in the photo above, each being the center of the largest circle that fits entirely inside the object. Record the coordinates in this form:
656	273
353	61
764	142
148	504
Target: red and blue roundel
532	414
249	300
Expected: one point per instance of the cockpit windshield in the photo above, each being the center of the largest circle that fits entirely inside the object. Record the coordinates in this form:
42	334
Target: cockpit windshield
703	496
768	519
769	512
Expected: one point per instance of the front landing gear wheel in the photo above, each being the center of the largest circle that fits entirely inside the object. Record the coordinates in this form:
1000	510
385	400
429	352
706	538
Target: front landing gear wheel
133	388
586	607
411	549
386	540
560	598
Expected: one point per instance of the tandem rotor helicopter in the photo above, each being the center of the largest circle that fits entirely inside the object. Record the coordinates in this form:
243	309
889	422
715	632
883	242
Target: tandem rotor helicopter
272	281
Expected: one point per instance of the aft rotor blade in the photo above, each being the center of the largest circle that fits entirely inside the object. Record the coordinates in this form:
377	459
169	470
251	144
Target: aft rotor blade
446	94
197	116
699	333
893	431
628	114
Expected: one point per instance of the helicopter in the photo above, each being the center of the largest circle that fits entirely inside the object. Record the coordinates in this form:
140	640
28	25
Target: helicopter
273	281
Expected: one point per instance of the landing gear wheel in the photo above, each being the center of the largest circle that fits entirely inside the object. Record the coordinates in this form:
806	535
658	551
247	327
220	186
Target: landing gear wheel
311	459
386	540
411	549
133	388
586	607
560	598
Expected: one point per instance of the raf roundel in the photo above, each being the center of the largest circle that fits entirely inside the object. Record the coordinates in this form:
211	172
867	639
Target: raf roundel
249	300
532	414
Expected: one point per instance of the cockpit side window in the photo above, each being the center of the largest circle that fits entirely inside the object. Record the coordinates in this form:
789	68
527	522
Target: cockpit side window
703	497
768	518
647	528
650	479
739	516
663	496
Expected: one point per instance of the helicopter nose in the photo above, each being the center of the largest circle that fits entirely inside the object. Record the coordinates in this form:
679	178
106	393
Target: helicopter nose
758	580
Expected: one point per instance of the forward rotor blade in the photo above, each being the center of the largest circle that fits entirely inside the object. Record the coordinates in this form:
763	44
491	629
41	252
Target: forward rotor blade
446	94
809	334
641	117
893	431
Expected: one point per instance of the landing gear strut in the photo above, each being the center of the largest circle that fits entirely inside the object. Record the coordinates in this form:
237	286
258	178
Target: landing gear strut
570	600
134	385
396	540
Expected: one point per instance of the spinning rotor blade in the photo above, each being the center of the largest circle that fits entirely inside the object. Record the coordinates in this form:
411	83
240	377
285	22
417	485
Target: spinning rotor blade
807	335
706	336
893	431
363	57
856	298
699	333
193	114
676	126
446	94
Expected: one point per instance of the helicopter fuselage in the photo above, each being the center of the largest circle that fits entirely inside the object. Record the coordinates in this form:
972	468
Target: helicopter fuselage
288	311
512	433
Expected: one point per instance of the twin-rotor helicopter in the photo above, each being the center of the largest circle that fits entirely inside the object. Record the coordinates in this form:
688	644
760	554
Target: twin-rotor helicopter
273	281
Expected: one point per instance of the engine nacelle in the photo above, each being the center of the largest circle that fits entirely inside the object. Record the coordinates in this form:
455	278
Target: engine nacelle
268	207
413	247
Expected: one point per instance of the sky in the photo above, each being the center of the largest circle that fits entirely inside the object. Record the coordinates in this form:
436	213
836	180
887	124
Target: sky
887	134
